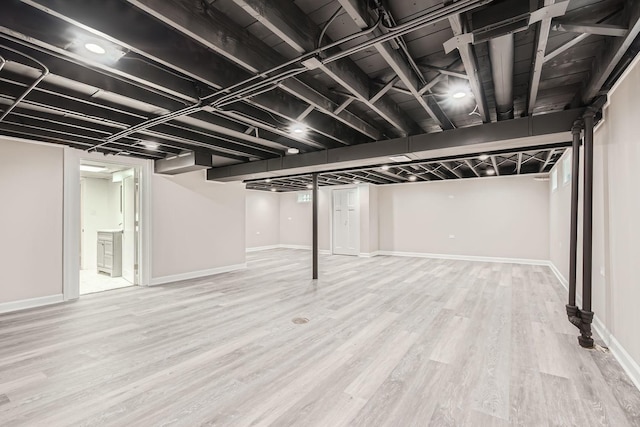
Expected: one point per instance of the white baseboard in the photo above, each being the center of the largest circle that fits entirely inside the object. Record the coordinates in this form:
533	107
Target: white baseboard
369	254
262	248
7	307
299	247
559	276
196	274
303	247
629	365
466	258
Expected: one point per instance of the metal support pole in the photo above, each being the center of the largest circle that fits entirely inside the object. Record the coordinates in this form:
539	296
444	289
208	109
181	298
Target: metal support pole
314	202
575	179
586	315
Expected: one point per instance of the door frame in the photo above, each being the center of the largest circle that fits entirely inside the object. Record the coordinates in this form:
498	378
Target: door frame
331	219
71	217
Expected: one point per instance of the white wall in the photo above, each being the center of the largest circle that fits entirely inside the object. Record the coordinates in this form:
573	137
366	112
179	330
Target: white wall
616	230
295	220
504	217
263	219
197	225
31	220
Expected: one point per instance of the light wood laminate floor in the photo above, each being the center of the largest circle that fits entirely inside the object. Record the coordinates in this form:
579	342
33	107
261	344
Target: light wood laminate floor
389	341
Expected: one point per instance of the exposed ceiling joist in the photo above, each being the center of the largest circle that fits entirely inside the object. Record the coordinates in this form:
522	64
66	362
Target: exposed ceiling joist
359	13
218	33
615	49
471	66
536	130
454	171
586	28
544	15
115	20
285	20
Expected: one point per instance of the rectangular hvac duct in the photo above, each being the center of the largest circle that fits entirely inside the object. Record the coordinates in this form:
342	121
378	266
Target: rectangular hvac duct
187	161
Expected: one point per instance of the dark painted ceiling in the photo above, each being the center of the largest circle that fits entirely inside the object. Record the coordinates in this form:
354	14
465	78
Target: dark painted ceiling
501	163
247	80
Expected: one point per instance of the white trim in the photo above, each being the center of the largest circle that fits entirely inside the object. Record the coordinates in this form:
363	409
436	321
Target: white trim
196	274
304	247
629	365
71	216
369	255
281	246
467	258
559	275
71	224
262	248
8	307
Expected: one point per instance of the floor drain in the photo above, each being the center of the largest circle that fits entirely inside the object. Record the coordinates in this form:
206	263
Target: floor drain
300	320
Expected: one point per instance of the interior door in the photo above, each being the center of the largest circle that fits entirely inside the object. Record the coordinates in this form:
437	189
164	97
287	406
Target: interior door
346	222
128	227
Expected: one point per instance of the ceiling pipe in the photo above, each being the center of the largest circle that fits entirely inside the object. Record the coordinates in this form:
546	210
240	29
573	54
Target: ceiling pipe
44	72
240	88
501	54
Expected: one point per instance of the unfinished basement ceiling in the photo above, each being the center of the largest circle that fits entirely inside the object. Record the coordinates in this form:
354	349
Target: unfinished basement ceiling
250	80
502	163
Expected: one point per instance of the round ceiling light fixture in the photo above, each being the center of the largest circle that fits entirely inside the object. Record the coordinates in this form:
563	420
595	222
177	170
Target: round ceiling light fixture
274	190
413	178
491	171
458	94
298	128
95	48
385	167
151	145
483	157
310	186
293	150
267	180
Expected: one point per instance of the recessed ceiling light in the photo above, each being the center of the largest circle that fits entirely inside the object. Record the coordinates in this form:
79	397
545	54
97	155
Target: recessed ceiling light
385	167
150	145
413	178
459	94
483	157
273	189
490	171
267	180
400	158
90	168
357	182
298	128
310	186
293	150
95	48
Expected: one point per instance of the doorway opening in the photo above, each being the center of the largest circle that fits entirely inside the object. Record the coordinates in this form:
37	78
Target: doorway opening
109	226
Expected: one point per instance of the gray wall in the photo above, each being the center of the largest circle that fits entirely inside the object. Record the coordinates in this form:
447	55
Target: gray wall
31	220
196	224
616	238
505	217
263	219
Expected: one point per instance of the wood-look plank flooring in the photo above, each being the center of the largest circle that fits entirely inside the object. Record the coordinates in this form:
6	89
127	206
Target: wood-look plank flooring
389	342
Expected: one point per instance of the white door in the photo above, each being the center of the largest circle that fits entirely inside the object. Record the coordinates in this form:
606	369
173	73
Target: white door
129	229
346	222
